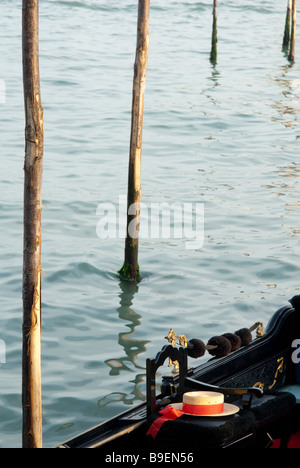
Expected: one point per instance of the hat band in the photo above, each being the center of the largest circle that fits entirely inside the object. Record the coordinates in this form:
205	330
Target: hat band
203	410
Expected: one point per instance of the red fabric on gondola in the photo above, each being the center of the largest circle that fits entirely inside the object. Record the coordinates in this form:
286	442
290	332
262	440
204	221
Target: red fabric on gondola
276	444
168	414
294	442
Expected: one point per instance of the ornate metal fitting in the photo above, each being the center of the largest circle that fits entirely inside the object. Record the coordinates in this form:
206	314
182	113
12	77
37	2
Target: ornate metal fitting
260	330
172	339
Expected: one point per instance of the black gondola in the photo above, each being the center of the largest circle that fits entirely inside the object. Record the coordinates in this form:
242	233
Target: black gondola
260	378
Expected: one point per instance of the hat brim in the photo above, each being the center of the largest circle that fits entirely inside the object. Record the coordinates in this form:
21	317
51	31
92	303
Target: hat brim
228	411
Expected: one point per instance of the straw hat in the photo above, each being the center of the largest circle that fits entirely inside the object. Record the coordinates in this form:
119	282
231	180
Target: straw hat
208	404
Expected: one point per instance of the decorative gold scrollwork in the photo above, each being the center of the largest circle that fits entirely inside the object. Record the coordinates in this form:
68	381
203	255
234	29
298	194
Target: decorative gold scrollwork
260	330
172	339
259	385
280	369
182	340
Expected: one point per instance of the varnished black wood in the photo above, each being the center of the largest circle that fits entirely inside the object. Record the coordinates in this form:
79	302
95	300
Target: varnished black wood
168	352
266	363
192	384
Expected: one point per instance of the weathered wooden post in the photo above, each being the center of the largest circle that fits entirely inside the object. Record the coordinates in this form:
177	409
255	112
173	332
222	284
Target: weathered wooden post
214	41
293	35
287	29
33	169
130	269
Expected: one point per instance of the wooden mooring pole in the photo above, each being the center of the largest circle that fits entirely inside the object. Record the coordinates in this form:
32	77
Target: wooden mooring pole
214	41
130	269
293	34
287	29
33	170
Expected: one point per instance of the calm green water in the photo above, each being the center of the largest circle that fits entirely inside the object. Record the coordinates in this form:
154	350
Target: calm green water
225	135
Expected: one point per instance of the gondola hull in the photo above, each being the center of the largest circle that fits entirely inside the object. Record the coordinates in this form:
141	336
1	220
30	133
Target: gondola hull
268	363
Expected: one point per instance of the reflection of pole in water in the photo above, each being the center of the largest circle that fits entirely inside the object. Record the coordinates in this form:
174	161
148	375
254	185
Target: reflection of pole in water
287	107
132	349
132	346
127	399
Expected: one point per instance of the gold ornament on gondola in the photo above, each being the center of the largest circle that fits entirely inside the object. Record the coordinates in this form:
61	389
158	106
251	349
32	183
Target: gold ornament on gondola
217	346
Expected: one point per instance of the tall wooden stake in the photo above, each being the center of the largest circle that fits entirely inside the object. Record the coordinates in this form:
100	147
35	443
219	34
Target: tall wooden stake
33	168
287	29
293	38
130	269
214	41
